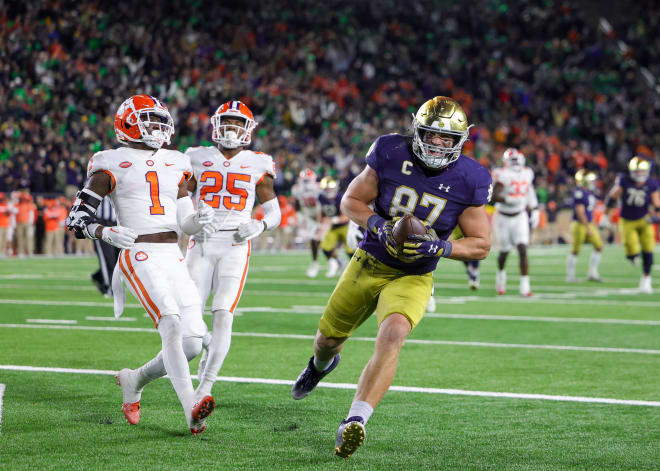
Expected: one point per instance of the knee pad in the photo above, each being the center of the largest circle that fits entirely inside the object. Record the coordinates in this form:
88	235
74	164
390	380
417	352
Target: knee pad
222	319
169	328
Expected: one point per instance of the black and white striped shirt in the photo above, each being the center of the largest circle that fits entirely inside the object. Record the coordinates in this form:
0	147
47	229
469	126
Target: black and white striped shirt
106	212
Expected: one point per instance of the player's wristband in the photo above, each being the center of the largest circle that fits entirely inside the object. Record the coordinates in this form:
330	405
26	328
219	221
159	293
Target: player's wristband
447	247
657	209
373	222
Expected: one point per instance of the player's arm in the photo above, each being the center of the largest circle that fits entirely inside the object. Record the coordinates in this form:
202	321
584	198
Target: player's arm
82	216
533	206
475	244
581	213
362	191
499	193
272	214
189	219
654	211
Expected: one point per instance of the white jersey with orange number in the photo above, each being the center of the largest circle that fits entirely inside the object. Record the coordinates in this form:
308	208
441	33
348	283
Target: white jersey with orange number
307	194
144	186
518	188
229	185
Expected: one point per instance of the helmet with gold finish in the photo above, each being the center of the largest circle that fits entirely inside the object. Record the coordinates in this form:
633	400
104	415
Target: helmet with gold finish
440	129
639	169
586	179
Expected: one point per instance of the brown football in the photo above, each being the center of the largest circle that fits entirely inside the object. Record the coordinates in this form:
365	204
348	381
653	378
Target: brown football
406	226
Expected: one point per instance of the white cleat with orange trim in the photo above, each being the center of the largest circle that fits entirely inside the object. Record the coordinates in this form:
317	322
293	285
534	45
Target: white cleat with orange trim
131	396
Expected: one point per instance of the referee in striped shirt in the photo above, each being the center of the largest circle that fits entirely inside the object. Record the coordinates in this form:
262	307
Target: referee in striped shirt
107	254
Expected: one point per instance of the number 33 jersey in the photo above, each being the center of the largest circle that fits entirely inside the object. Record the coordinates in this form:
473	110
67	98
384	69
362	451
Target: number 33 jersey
229	185
144	186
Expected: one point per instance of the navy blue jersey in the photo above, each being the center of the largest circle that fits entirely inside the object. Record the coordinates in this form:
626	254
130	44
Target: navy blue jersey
330	206
635	200
586	198
438	198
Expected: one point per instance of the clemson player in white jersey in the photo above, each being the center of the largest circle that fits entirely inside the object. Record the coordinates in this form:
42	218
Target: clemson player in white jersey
514	195
306	192
148	189
227	178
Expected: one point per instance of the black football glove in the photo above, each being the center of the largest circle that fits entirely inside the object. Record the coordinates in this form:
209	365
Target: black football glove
427	245
382	228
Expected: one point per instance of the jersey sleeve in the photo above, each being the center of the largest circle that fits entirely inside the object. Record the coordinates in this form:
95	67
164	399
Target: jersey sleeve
483	188
185	166
372	155
102	162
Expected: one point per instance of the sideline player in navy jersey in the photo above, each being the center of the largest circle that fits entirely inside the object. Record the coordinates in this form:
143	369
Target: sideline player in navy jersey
335	225
582	228
424	175
638	192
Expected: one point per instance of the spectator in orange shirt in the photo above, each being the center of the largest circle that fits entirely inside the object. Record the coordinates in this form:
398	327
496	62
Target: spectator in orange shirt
25	219
5	223
51	217
283	236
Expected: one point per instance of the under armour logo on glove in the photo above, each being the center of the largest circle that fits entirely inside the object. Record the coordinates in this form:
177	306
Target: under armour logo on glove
427	245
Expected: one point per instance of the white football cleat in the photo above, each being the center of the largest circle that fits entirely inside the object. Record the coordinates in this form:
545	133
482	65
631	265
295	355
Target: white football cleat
645	285
430	307
333	268
313	269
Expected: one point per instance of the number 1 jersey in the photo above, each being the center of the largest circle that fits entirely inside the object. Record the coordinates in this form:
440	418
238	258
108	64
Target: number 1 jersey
229	185
144	186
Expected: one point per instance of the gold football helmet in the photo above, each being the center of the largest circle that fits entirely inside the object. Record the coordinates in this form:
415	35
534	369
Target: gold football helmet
586	179
329	186
640	169
444	116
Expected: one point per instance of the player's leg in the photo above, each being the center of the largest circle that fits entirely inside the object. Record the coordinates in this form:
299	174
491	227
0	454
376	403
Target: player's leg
594	260
579	233
400	308
146	268
329	248
647	240
229	279
504	244
472	270
630	239
520	238
351	303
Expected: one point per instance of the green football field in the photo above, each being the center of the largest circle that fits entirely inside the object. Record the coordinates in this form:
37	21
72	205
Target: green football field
566	380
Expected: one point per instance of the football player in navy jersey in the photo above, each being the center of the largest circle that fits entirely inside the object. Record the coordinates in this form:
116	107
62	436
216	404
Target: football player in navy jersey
638	192
335	225
424	175
584	202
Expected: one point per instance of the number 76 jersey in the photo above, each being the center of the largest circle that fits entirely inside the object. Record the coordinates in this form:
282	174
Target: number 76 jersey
229	185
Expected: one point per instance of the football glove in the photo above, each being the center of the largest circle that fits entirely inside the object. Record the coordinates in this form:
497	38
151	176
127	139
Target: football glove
382	228
249	230
204	214
120	237
427	245
535	218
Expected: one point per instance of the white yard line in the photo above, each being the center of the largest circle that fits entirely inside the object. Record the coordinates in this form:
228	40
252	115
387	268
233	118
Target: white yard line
51	321
361	339
450	392
2	393
318	310
111	319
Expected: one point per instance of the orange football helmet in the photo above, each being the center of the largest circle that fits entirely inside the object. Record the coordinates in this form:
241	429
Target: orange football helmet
307	174
231	136
513	159
143	118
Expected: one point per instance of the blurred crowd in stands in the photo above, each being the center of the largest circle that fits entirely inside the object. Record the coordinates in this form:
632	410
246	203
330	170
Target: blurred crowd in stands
324	79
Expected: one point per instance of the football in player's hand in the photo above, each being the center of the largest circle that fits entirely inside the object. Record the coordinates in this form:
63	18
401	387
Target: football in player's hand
407	226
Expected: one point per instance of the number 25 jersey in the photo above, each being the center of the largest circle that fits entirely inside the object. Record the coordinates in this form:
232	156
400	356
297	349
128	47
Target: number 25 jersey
144	186
229	185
